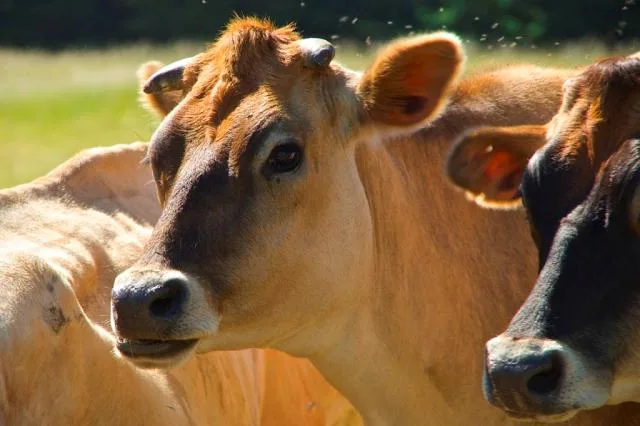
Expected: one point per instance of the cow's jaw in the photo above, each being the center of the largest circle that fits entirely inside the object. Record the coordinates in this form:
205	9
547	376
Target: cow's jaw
156	353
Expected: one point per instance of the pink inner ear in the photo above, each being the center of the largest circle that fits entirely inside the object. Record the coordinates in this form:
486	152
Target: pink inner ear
503	174
415	80
500	164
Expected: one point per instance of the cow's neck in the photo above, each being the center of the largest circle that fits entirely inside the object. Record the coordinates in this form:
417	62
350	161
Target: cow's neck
94	213
437	296
49	269
84	248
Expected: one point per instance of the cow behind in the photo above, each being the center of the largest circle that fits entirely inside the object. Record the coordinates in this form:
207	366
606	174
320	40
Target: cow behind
571	346
64	238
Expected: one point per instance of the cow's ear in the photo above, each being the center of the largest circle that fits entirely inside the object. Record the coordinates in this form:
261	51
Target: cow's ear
409	81
158	102
488	162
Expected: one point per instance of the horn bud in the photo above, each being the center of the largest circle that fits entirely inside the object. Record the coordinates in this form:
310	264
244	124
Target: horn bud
168	77
316	53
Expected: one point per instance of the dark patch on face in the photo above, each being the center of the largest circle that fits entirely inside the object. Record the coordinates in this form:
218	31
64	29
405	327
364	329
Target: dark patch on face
551	187
208	208
166	152
589	284
54	317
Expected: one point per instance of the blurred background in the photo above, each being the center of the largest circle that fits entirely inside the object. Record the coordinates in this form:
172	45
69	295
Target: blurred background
67	67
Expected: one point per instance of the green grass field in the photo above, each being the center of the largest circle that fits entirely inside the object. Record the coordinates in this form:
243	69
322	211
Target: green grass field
53	105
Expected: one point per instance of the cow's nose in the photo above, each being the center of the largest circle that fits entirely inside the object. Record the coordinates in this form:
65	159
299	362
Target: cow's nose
147	305
524	375
166	300
536	373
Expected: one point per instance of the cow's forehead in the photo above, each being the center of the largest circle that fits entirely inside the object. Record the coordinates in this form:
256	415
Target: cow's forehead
247	49
251	77
612	70
593	98
240	63
589	101
611	77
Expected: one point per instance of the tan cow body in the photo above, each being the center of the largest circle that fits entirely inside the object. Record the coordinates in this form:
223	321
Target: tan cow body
363	258
63	239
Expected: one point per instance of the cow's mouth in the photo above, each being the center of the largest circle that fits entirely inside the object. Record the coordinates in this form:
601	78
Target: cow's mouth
546	418
155	353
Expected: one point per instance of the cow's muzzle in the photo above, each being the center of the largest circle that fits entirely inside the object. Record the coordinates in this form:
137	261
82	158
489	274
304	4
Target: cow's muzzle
539	379
159	315
148	306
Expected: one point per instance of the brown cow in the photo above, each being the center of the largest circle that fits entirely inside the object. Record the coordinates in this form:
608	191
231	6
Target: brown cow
288	222
571	346
64	238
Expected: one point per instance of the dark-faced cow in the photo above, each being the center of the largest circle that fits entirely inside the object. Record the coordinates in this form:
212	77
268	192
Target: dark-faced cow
573	345
291	221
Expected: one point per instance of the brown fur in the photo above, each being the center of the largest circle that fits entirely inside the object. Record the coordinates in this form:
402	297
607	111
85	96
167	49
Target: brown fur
589	100
366	260
64	238
584	125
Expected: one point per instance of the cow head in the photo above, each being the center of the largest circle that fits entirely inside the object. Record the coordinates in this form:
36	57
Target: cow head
572	345
265	233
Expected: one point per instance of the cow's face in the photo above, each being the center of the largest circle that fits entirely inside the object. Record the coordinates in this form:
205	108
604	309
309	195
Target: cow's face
573	344
265	235
563	351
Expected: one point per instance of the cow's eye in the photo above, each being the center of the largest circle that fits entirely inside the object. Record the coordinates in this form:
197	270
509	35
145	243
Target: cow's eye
285	158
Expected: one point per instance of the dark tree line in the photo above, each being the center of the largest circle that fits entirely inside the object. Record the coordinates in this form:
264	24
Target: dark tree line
64	23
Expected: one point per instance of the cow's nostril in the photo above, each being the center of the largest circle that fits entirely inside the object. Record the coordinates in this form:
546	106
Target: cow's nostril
168	299
547	379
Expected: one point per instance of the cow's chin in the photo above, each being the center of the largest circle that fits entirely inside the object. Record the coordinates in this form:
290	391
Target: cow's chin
547	418
156	353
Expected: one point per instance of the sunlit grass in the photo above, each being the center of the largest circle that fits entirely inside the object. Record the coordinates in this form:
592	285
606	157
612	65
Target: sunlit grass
53	105
39	132
27	72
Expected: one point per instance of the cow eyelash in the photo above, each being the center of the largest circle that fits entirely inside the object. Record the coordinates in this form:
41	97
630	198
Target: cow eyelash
285	158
